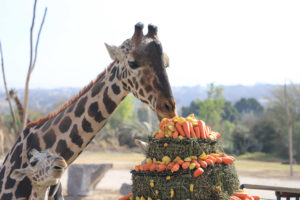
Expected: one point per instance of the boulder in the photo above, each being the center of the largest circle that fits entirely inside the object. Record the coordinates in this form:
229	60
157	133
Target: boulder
83	178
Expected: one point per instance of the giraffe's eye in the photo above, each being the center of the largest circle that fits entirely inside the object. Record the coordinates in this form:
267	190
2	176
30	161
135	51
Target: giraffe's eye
133	64
33	163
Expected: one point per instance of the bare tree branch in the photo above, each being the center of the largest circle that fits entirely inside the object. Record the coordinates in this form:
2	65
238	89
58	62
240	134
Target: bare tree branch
38	39
6	91
32	61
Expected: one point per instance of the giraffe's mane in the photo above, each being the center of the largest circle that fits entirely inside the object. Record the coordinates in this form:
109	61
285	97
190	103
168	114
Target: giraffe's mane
73	99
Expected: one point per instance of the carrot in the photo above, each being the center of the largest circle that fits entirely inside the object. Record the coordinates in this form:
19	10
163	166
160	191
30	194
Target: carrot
202	129
196	163
212	158
208	131
186	128
256	197
170	165
161	167
179	129
127	197
185	165
160	135
198	172
175	168
241	195
203	164
197	130
209	162
137	168
175	135
227	160
152	167
234	198
180	162
161	126
146	167
219	160
192	131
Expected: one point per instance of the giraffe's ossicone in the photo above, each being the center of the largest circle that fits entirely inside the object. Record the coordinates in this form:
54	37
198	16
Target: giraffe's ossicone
138	67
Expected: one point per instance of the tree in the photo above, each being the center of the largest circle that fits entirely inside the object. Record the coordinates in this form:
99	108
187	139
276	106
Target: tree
243	140
123	113
230	112
250	105
32	59
7	93
212	109
194	107
267	135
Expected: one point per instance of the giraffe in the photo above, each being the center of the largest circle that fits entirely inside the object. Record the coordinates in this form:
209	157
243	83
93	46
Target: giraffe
5	139
44	169
138	67
13	94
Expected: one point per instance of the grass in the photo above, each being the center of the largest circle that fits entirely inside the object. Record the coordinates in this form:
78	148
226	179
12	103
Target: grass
259	156
261	165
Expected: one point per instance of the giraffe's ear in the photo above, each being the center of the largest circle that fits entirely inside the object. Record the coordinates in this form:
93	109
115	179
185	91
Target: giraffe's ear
166	60
113	51
18	174
33	152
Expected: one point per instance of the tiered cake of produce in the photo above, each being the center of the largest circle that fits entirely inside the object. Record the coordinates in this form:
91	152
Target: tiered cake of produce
185	161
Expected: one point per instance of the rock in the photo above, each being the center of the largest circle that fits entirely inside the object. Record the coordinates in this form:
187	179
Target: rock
125	189
83	178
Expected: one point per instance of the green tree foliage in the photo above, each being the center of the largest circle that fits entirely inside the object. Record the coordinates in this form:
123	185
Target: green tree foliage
277	112
230	112
249	105
268	132
267	135
123	113
194	107
216	112
243	140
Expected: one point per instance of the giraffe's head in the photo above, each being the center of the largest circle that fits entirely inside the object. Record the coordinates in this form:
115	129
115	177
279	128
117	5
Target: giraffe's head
12	93
143	70
44	168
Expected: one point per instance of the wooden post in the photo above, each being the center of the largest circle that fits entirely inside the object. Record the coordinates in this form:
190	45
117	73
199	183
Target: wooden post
290	130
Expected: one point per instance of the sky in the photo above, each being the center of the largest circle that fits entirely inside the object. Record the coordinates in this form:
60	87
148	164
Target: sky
222	42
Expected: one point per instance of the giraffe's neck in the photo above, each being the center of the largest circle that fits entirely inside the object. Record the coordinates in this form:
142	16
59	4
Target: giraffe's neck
20	108
40	192
78	124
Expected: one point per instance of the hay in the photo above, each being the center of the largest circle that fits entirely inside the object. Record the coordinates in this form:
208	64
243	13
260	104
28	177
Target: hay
182	148
217	182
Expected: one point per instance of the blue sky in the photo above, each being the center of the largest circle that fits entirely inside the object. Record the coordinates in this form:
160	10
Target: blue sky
225	42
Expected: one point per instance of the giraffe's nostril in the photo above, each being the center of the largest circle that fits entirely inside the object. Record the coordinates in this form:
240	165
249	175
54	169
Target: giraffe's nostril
167	107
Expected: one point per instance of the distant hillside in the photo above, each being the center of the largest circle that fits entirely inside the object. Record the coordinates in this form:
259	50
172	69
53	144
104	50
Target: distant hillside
43	100
184	95
46	100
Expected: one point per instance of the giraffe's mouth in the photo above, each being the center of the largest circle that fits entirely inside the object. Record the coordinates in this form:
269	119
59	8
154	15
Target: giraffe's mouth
59	167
